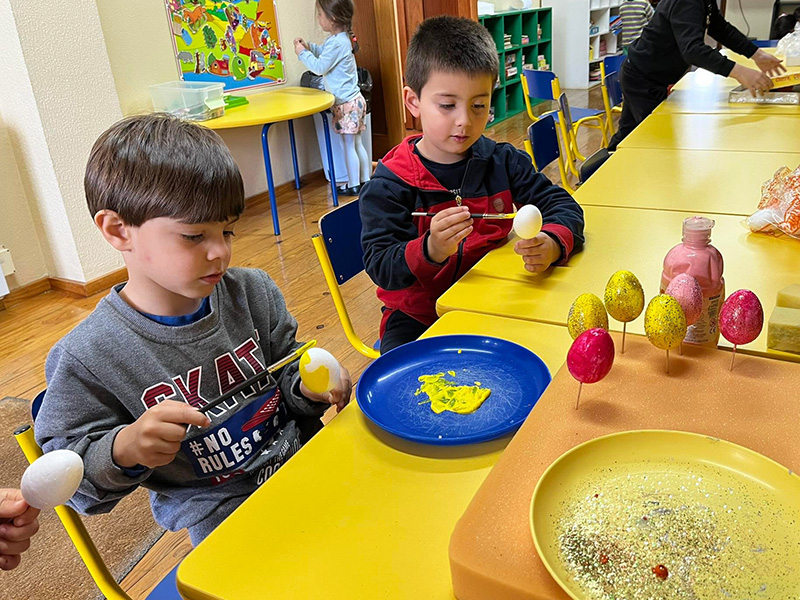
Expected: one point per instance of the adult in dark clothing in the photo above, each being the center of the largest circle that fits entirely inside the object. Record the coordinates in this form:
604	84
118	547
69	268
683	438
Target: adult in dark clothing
673	40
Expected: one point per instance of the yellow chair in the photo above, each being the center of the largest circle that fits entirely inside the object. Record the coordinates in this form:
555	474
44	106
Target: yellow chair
166	589
543	147
569	125
338	248
612	95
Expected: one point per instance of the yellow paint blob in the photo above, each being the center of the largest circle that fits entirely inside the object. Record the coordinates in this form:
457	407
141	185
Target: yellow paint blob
445	395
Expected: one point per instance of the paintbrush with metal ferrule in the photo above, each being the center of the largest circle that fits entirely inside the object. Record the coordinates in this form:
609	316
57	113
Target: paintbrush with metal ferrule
489	216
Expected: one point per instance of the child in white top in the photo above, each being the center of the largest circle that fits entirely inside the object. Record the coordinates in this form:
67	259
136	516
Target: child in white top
334	60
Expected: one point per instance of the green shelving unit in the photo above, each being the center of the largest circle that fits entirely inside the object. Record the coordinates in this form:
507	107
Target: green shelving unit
507	99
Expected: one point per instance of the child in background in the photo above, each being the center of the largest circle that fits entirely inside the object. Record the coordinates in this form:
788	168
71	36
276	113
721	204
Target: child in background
335	61
672	41
634	15
185	329
451	170
783	25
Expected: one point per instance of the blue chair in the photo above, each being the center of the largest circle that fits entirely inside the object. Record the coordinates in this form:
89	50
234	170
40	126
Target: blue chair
611	64
766	43
338	248
612	99
543	147
545	85
167	588
594	162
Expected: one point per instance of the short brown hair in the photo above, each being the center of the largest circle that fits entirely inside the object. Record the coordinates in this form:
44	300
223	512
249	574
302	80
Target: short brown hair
451	45
157	165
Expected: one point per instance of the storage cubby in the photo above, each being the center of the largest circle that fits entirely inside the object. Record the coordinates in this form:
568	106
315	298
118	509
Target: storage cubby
521	37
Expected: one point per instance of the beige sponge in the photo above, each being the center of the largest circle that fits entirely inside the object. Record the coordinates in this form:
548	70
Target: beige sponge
789	297
783	331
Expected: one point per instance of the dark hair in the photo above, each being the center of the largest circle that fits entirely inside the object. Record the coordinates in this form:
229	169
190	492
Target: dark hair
450	44
782	25
157	165
341	12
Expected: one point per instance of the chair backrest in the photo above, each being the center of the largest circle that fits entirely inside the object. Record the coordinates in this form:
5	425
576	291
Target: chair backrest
592	163
766	43
566	115
612	64
544	142
538	84
341	232
614	89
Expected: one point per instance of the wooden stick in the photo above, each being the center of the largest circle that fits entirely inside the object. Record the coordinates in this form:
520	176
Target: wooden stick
580	388
733	356
667	362
624	325
680	348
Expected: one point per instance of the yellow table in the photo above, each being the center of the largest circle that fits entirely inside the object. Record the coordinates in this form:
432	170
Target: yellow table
274	106
683	180
635	240
704	92
357	513
731	132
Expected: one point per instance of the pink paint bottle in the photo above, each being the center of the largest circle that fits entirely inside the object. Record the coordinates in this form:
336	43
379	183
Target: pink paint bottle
697	257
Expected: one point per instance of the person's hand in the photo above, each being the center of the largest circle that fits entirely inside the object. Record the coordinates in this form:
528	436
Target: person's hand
299	45
338	396
448	228
538	253
18	523
753	80
155	438
769	64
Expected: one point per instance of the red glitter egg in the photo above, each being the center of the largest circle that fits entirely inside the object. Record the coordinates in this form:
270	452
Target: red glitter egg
741	317
591	355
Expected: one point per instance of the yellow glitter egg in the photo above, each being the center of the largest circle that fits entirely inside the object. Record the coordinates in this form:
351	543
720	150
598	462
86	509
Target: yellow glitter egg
319	370
665	322
624	296
587	312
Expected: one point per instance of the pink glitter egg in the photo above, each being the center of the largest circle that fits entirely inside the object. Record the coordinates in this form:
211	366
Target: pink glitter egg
591	355
687	291
741	317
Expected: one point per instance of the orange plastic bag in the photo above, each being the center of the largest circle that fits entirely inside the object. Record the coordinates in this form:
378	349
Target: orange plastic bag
779	208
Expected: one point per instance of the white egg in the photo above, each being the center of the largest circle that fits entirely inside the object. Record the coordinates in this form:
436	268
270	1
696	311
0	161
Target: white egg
52	479
528	222
319	370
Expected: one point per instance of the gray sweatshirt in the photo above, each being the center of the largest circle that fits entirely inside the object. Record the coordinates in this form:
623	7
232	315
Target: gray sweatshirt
118	363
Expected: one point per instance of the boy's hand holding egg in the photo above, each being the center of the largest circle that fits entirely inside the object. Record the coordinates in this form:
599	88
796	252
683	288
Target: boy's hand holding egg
323	379
538	250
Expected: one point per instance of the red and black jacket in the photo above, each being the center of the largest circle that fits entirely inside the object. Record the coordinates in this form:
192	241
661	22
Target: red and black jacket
497	175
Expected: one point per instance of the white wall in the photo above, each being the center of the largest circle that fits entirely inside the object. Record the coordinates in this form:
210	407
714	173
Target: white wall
141	54
54	105
757	12
17	229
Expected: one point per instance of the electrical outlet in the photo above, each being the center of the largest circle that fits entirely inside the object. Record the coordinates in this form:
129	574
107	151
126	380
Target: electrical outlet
6	263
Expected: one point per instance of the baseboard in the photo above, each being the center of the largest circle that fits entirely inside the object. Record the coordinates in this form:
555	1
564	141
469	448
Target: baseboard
283	188
76	288
89	288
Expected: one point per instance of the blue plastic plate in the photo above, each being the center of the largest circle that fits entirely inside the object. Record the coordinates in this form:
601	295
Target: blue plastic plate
516	376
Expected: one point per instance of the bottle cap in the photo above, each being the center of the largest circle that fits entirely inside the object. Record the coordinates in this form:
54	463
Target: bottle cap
697	230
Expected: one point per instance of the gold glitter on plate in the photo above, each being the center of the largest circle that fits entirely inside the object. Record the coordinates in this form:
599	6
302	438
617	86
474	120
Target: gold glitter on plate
657	515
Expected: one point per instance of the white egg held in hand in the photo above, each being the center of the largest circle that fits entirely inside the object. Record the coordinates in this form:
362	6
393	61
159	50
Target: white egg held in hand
319	370
528	222
52	479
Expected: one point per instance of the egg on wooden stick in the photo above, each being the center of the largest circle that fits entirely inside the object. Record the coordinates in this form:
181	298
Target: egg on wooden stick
52	479
741	319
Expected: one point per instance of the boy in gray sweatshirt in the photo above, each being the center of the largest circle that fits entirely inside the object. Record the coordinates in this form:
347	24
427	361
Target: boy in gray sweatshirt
124	384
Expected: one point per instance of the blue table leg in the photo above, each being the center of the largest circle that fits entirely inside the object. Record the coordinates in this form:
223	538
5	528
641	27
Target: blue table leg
270	183
294	155
331	169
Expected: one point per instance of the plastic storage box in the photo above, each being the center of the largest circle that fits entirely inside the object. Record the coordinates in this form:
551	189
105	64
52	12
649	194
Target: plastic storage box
191	100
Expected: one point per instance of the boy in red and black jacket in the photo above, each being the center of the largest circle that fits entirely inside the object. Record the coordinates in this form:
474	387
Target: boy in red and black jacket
451	170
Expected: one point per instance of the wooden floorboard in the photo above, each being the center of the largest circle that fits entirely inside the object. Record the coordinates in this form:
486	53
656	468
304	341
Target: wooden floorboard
29	327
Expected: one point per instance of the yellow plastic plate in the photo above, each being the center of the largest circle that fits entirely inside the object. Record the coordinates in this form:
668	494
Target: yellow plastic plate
668	514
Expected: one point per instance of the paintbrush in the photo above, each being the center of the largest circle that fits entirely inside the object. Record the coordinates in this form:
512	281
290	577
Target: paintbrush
489	216
259	376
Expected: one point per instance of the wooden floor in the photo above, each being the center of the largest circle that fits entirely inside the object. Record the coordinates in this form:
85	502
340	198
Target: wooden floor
30	327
